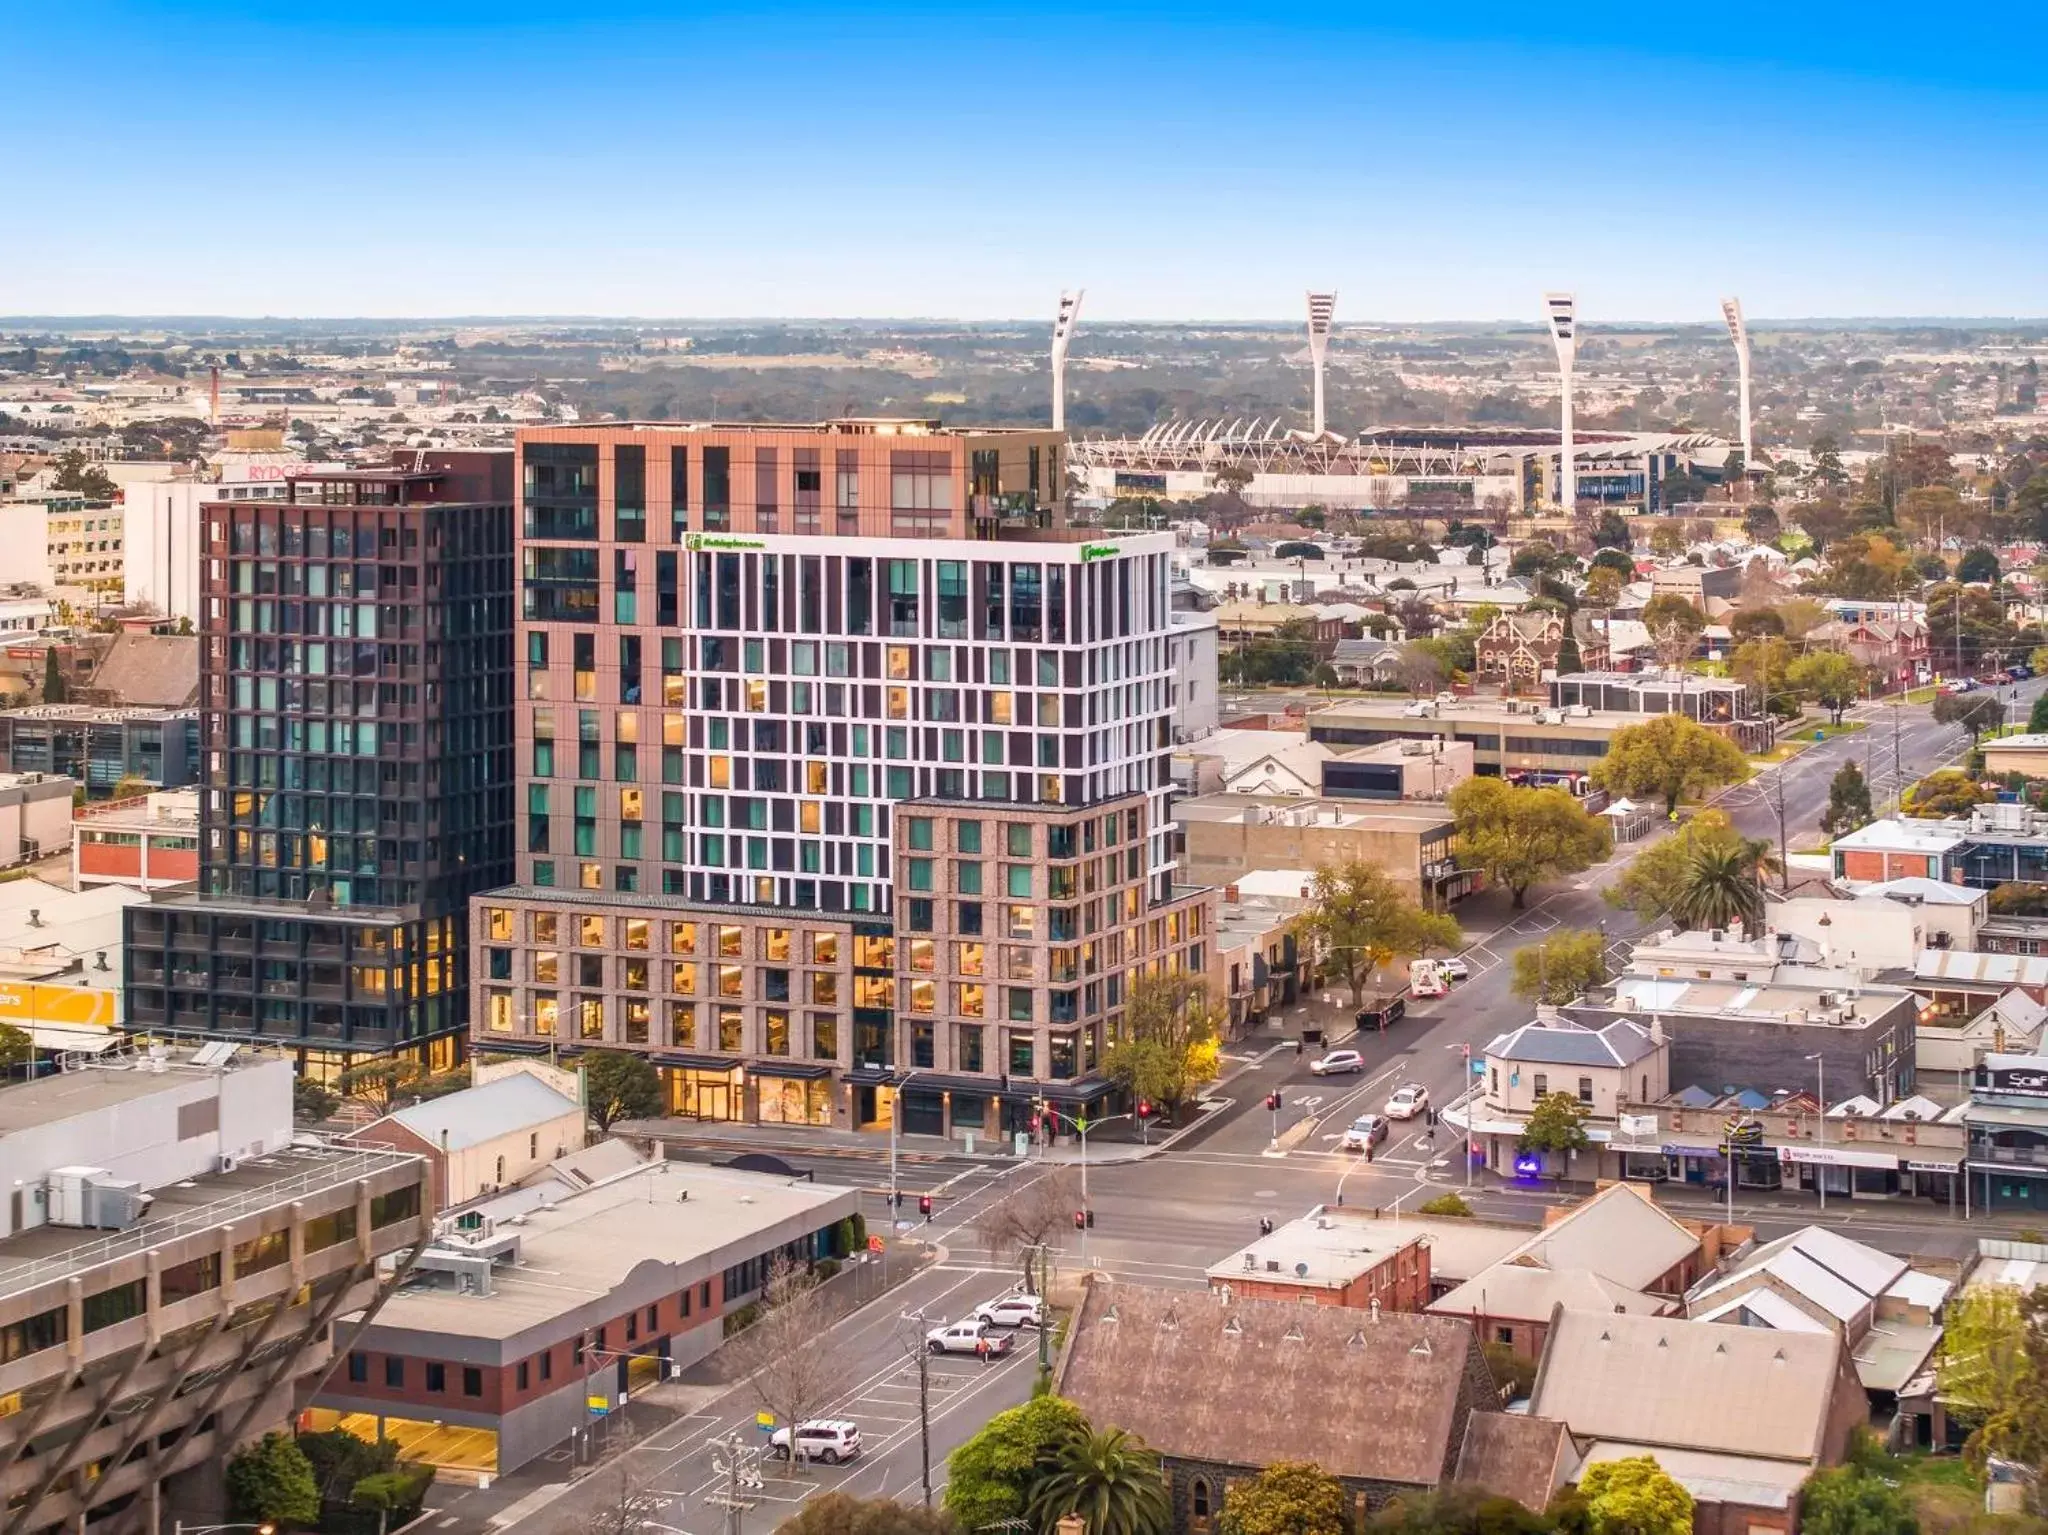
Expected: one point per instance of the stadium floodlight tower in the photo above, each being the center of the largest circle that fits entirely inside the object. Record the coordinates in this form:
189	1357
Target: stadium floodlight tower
1731	311
1321	308
1564	330
1062	332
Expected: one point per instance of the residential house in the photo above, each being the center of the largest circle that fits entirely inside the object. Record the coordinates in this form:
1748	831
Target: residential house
1241	622
1519	651
1216	1384
1738	1416
1893	651
488	1137
1366	663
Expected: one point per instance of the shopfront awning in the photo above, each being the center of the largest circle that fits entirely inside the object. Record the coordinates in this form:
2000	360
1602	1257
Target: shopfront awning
719	1063
1839	1156
807	1071
73	1041
871	1076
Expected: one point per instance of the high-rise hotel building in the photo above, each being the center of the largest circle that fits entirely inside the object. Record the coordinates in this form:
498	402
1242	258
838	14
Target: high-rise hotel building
842	768
356	766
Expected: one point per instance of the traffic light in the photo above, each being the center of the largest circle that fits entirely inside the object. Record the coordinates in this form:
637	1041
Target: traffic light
1144	1109
924	1206
1034	1124
1273	1102
1083	1219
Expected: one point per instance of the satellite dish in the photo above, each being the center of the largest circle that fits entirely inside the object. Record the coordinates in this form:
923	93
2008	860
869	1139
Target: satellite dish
1301	1271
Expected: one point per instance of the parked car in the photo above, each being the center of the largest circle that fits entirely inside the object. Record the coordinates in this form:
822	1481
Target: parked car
1019	1310
1409	1099
1454	969
973	1336
829	1440
1366	1131
1959	685
1336	1063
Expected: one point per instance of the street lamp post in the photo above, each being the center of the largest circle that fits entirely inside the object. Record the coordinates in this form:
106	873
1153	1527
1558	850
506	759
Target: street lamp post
1466	1091
1820	1168
895	1125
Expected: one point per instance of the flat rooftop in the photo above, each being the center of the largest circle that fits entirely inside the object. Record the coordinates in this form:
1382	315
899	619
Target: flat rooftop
578	1250
1339	1243
1283	810
845	426
1478	711
1778	1000
200	1204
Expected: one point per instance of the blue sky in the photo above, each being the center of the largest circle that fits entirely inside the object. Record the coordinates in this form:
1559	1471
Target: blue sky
1430	162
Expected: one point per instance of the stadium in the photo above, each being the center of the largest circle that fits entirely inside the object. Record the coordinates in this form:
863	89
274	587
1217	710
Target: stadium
1435	471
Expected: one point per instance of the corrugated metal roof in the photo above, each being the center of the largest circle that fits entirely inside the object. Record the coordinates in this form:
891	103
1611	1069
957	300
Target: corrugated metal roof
479	1114
1990	969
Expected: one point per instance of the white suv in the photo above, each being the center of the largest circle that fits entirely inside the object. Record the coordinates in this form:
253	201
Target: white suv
1019	1310
828	1440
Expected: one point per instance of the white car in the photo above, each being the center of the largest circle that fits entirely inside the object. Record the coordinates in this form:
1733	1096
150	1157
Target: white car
826	1440
1454	969
1336	1063
1409	1099
973	1336
1018	1310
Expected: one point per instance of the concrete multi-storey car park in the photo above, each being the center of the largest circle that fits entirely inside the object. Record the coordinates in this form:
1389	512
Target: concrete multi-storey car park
175	1274
748	658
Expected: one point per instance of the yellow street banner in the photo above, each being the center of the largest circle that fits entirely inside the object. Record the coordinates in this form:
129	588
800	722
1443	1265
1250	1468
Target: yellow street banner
76	1007
764	1420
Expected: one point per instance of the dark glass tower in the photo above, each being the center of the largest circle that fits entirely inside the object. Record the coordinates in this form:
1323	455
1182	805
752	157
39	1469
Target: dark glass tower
356	739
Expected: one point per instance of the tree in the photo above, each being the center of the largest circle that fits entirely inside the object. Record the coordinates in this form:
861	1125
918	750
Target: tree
1755	623
83	478
620	1085
1167	1049
1967	627
1289	1497
1848	802
1674	626
1764	663
1944	792
54	689
1603	587
1977	564
1111	1480
1522	836
1556	1123
777	1354
1457	1509
2037	717
1975	712
1667	539
271	1482
1363	920
379	1083
1830	678
990	1478
1827	460
1561	968
1635	1496
1801	616
1649	886
313	1100
1611	531
1023	1221
339	1460
1722	888
1848	1500
1672	756
839	1513
1616	560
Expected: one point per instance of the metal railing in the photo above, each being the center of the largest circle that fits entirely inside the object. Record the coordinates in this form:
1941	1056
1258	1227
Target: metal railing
326	1174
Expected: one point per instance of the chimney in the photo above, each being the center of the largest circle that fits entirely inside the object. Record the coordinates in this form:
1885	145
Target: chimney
1546	1012
35	916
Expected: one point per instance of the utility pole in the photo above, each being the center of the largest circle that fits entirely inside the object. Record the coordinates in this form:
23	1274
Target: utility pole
924	1399
740	1464
1820	1170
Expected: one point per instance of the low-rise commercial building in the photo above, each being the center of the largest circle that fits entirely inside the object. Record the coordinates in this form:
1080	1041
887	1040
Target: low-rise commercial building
175	1268
1225	836
534	1312
102	747
35	816
147	841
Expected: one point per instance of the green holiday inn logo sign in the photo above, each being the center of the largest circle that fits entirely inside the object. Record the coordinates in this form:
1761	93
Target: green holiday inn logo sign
1093	552
696	541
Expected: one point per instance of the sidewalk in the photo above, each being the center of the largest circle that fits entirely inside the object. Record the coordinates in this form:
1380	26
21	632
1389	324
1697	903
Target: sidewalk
923	1150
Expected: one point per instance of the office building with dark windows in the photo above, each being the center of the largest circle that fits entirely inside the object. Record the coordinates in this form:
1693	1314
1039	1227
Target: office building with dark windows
843	772
356	774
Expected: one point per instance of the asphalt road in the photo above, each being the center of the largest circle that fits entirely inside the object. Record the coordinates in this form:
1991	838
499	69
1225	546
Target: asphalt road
1165	1218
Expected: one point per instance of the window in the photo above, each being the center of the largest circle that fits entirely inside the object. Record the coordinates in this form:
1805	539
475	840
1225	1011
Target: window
394	1371
472	1381
520	1376
437	1377
1542	1084
1019	833
1585	1089
359	1368
1198	1497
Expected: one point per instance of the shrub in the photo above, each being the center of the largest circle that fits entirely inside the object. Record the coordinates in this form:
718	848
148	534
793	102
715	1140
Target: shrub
742	1319
1446	1204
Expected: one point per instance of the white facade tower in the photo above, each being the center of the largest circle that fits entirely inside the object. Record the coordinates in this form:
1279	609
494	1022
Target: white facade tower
1321	307
1564	330
1731	311
1062	332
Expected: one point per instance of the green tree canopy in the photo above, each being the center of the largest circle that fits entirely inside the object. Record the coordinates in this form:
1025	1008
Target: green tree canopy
1522	836
17	1046
1944	792
1670	756
620	1085
1723	886
1849	1500
271	1482
1556	1123
1363	920
1975	712
1667	611
82	477
1289	1497
1830	678
1650	885
55	691
1977	564
1562	967
839	1513
1635	1496
1167	1050
991	1477
1848	801
1110	1479
1616	560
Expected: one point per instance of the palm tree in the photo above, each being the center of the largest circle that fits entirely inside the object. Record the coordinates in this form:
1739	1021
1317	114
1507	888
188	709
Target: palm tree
1721	888
1111	1480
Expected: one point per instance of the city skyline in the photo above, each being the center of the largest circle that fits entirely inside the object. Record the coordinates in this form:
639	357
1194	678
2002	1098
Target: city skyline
1182	165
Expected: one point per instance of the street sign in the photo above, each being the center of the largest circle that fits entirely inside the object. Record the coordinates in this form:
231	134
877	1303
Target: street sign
598	1405
874	1244
764	1420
